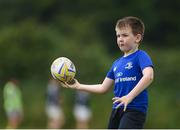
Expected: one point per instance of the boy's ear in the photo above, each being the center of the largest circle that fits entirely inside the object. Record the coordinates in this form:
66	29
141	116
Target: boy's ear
138	38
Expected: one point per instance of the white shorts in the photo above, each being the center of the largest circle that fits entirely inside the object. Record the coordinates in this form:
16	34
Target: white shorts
15	114
54	112
82	113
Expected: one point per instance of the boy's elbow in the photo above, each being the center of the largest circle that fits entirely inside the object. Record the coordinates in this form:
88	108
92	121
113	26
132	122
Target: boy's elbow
103	90
149	74
151	78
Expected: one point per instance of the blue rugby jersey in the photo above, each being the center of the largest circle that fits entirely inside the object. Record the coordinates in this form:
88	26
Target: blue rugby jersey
126	72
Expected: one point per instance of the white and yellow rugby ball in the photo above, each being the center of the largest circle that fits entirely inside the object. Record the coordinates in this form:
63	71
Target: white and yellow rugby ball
63	69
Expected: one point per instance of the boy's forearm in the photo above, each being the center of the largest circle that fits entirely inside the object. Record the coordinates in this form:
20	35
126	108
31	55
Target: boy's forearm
142	85
97	88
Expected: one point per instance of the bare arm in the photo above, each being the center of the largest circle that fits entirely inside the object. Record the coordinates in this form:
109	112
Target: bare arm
148	76
96	88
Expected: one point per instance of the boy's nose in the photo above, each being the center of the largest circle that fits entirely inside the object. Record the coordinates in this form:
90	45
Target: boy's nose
120	39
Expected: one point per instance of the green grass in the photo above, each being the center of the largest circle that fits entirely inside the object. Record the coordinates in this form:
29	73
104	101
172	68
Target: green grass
163	112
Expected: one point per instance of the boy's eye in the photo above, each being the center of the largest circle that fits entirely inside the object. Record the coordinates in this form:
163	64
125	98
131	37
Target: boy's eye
124	35
118	35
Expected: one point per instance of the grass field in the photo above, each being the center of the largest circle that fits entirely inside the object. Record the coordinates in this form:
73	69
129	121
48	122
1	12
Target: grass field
34	107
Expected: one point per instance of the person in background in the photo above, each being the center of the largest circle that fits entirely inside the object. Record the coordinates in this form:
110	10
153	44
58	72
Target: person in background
53	106
13	103
82	112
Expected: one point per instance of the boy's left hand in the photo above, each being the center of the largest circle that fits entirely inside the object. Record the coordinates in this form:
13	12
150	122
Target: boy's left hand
125	100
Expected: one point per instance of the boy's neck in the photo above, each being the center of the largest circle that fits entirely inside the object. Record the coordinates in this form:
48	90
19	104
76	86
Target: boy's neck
130	52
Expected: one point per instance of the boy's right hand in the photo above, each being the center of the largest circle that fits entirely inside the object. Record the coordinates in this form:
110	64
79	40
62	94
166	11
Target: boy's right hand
73	84
62	84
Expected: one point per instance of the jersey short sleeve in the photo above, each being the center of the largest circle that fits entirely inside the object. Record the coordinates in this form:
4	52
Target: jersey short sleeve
144	60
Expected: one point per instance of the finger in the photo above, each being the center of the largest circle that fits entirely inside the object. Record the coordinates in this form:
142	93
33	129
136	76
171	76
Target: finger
115	98
118	100
67	85
70	86
63	84
70	82
125	106
75	80
120	104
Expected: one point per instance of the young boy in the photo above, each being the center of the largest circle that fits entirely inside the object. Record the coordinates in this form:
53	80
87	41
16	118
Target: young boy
131	74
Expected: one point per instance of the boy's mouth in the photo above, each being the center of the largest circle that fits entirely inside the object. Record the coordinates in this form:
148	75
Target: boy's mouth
121	44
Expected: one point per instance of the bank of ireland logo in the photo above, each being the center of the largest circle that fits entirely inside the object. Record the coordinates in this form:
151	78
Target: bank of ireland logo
128	65
119	74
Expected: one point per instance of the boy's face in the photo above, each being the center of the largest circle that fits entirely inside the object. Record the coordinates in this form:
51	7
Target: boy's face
126	40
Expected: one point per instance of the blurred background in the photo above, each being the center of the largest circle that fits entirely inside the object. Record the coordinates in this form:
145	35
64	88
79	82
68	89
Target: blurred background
34	33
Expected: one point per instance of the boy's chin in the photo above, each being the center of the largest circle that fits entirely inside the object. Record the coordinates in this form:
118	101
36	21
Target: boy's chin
124	50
